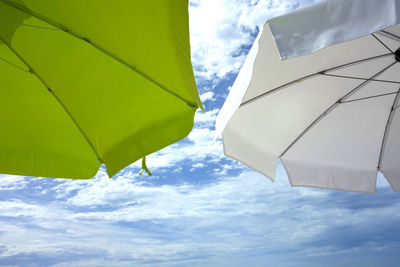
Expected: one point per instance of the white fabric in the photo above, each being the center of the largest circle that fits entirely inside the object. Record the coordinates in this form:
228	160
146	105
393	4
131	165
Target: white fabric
273	104
238	89
331	22
342	150
270	72
390	40
391	155
259	132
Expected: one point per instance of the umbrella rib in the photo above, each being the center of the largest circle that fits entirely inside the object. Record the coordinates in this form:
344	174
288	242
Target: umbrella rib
392	34
368	97
379	40
105	51
333	106
358	78
387	127
31	70
29	25
311	75
12	64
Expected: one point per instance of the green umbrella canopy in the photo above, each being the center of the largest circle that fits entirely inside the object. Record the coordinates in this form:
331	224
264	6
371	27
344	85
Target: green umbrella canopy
89	82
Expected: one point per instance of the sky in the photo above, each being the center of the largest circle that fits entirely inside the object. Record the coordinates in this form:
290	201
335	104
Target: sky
199	208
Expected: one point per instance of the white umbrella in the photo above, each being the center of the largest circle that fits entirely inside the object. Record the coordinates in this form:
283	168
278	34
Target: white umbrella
320	91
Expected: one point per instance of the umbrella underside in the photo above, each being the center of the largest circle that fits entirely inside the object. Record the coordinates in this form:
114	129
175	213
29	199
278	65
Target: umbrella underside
331	117
86	83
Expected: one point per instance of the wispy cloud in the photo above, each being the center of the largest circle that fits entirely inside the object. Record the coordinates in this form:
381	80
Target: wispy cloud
222	31
232	221
11	182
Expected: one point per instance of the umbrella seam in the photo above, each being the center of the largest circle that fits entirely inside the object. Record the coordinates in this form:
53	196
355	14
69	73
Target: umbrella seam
311	75
333	106
392	34
358	78
368	97
12	64
387	128
29	25
380	41
31	70
105	51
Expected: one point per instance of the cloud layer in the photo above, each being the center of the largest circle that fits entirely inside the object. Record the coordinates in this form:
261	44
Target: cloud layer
232	220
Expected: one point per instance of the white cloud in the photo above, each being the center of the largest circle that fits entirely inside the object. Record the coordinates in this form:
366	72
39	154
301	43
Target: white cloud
220	29
123	222
11	182
208	96
197	166
215	38
205	119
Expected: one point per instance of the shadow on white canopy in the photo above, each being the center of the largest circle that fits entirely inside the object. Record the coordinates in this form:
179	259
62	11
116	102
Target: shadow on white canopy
320	91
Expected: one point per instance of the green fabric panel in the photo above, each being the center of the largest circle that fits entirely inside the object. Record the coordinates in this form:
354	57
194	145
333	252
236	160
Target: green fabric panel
151	35
37	138
7	56
123	115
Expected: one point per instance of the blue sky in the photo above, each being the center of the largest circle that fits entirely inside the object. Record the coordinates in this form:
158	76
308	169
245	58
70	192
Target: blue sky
199	208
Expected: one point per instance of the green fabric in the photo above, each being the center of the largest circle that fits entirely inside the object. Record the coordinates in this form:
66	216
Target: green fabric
86	82
144	167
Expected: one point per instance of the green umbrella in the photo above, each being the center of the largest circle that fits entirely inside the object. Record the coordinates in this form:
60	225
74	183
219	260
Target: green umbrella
84	83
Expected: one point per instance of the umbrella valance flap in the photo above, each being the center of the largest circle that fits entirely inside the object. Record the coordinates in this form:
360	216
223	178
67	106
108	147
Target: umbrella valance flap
331	22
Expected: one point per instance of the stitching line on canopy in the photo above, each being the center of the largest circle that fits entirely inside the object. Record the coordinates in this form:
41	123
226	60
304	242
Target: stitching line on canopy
65	29
367	97
12	64
392	34
311	75
358	78
28	25
379	40
387	129
333	106
31	70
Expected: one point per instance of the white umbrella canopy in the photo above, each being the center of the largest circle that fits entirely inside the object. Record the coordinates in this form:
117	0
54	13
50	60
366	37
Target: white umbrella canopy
319	90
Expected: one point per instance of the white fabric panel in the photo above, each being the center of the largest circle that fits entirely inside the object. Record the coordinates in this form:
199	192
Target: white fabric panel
394	30
270	71
263	70
342	150
238	89
365	69
260	131
392	74
373	89
391	155
332	22
392	42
